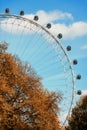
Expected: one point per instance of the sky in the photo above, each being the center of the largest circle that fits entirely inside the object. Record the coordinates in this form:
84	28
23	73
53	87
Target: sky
67	17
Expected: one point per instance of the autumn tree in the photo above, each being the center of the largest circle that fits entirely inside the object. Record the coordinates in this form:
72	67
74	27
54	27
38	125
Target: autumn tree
24	103
78	119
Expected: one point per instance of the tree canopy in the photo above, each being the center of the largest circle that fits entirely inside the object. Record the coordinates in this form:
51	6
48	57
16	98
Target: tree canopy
78	119
24	103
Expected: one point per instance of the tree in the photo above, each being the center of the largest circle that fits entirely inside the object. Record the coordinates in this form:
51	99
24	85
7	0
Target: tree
24	103
78	119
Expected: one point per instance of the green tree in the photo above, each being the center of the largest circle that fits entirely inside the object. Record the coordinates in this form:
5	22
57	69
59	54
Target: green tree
78	119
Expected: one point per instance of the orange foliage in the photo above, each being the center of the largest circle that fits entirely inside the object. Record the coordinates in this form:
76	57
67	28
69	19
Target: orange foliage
24	104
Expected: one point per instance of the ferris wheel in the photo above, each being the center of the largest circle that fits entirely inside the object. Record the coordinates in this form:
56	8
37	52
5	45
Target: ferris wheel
34	44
